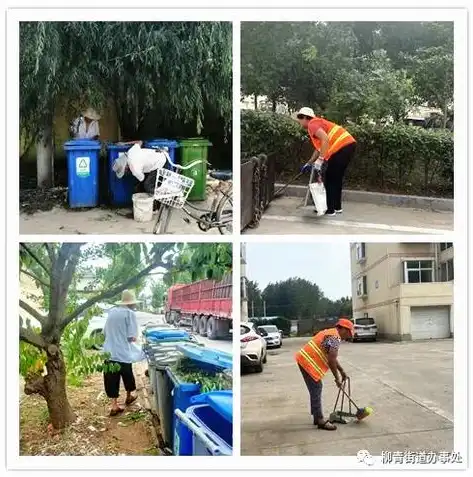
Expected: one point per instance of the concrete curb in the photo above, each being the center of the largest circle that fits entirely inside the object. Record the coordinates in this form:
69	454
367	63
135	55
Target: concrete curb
378	198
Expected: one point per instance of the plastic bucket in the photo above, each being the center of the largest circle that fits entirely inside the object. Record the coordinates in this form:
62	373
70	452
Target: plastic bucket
143	207
211	433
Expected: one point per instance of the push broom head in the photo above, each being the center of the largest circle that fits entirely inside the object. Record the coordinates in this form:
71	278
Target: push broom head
363	412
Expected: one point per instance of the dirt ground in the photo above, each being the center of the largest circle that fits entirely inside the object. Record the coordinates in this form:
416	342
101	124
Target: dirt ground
95	432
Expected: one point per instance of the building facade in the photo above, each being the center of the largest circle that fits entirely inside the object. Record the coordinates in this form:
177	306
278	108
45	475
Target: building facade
406	287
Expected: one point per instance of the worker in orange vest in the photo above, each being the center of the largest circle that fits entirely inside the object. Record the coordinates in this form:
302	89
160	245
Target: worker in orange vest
318	356
334	149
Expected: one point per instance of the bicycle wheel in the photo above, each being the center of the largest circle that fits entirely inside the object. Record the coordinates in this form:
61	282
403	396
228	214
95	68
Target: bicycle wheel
162	221
224	213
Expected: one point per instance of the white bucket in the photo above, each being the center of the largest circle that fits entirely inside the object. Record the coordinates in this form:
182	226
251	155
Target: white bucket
143	207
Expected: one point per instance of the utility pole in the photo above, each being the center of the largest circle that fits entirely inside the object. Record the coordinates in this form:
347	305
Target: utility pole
264	308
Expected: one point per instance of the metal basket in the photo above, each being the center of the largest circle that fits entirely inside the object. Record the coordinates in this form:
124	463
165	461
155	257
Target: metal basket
172	188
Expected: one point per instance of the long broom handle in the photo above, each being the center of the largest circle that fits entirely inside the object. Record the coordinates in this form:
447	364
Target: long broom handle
349	397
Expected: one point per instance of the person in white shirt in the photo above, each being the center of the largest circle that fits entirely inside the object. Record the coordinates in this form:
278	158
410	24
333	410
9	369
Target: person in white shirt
86	126
121	333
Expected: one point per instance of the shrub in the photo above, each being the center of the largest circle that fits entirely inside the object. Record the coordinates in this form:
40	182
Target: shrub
393	158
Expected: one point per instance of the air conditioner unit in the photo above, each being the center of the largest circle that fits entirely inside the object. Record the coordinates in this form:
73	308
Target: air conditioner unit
361	287
360	252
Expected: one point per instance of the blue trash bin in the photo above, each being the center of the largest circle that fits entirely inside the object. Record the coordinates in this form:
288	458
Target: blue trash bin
121	190
168	144
210	420
83	172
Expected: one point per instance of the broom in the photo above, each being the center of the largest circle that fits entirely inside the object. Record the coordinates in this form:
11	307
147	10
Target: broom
361	412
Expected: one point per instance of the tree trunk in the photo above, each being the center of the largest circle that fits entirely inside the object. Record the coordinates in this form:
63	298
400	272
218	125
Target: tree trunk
53	388
445	115
256	101
45	156
273	105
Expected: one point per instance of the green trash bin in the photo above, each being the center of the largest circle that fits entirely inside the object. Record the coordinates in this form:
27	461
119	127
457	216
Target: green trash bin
192	150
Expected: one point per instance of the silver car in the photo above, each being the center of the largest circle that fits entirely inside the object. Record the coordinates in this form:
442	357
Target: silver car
365	329
272	335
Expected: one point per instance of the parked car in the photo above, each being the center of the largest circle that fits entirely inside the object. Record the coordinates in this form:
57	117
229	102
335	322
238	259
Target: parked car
365	329
145	320
273	336
253	348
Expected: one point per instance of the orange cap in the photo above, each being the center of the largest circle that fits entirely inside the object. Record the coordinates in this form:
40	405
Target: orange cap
345	323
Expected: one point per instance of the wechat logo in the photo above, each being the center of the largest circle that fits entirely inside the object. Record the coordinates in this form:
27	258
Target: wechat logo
364	457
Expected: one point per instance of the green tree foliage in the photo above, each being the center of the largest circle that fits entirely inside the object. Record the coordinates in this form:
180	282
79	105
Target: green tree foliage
74	278
170	74
350	70
294	299
158	294
201	261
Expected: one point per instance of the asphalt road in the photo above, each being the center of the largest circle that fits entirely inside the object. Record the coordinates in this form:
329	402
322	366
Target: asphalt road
222	345
409	385
285	216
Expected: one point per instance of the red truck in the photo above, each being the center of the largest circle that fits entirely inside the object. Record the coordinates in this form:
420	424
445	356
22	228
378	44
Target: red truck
206	306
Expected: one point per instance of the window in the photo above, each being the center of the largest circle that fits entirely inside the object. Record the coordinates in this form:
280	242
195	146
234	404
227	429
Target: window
446	271
444	246
364	321
360	252
419	271
362	289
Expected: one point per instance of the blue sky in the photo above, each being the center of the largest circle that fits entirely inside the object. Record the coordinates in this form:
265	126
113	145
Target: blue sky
326	264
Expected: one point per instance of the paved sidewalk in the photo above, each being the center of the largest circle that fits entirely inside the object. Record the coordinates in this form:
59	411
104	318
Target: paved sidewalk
409	386
285	216
102	221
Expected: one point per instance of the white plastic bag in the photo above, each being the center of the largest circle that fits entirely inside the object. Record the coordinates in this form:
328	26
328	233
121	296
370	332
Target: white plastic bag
119	165
317	191
136	353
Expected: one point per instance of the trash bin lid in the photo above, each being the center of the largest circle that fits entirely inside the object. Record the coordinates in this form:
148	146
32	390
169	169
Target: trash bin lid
195	142
220	401
82	144
119	147
161	142
214	357
167	334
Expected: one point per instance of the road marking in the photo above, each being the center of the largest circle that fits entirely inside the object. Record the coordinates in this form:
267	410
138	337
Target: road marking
359	225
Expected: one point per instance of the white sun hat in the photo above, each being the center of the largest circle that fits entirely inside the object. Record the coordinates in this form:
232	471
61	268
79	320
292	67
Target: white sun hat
306	112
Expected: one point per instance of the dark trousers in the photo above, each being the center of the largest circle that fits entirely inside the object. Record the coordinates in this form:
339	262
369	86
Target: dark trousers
111	380
333	177
315	392
148	186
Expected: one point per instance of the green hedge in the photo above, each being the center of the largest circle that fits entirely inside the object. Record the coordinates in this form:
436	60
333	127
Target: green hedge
394	158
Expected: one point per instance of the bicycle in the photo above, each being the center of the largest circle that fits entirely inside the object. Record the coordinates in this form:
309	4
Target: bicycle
172	189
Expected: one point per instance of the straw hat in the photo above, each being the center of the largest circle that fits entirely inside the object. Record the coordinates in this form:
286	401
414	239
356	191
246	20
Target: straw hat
91	114
128	298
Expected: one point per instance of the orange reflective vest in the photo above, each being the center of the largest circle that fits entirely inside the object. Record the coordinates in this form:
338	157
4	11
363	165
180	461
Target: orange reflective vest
313	358
338	137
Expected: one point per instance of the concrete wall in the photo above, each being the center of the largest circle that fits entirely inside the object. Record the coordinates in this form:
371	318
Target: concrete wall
109	130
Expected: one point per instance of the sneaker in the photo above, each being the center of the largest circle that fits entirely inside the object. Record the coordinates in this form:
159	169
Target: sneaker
338	211
330	213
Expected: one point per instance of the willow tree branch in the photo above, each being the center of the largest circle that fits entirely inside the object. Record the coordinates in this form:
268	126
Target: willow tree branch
29	336
35	258
110	293
34	277
35	314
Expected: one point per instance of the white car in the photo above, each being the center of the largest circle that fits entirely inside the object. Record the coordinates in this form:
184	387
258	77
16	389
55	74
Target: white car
253	348
145	320
272	335
365	329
